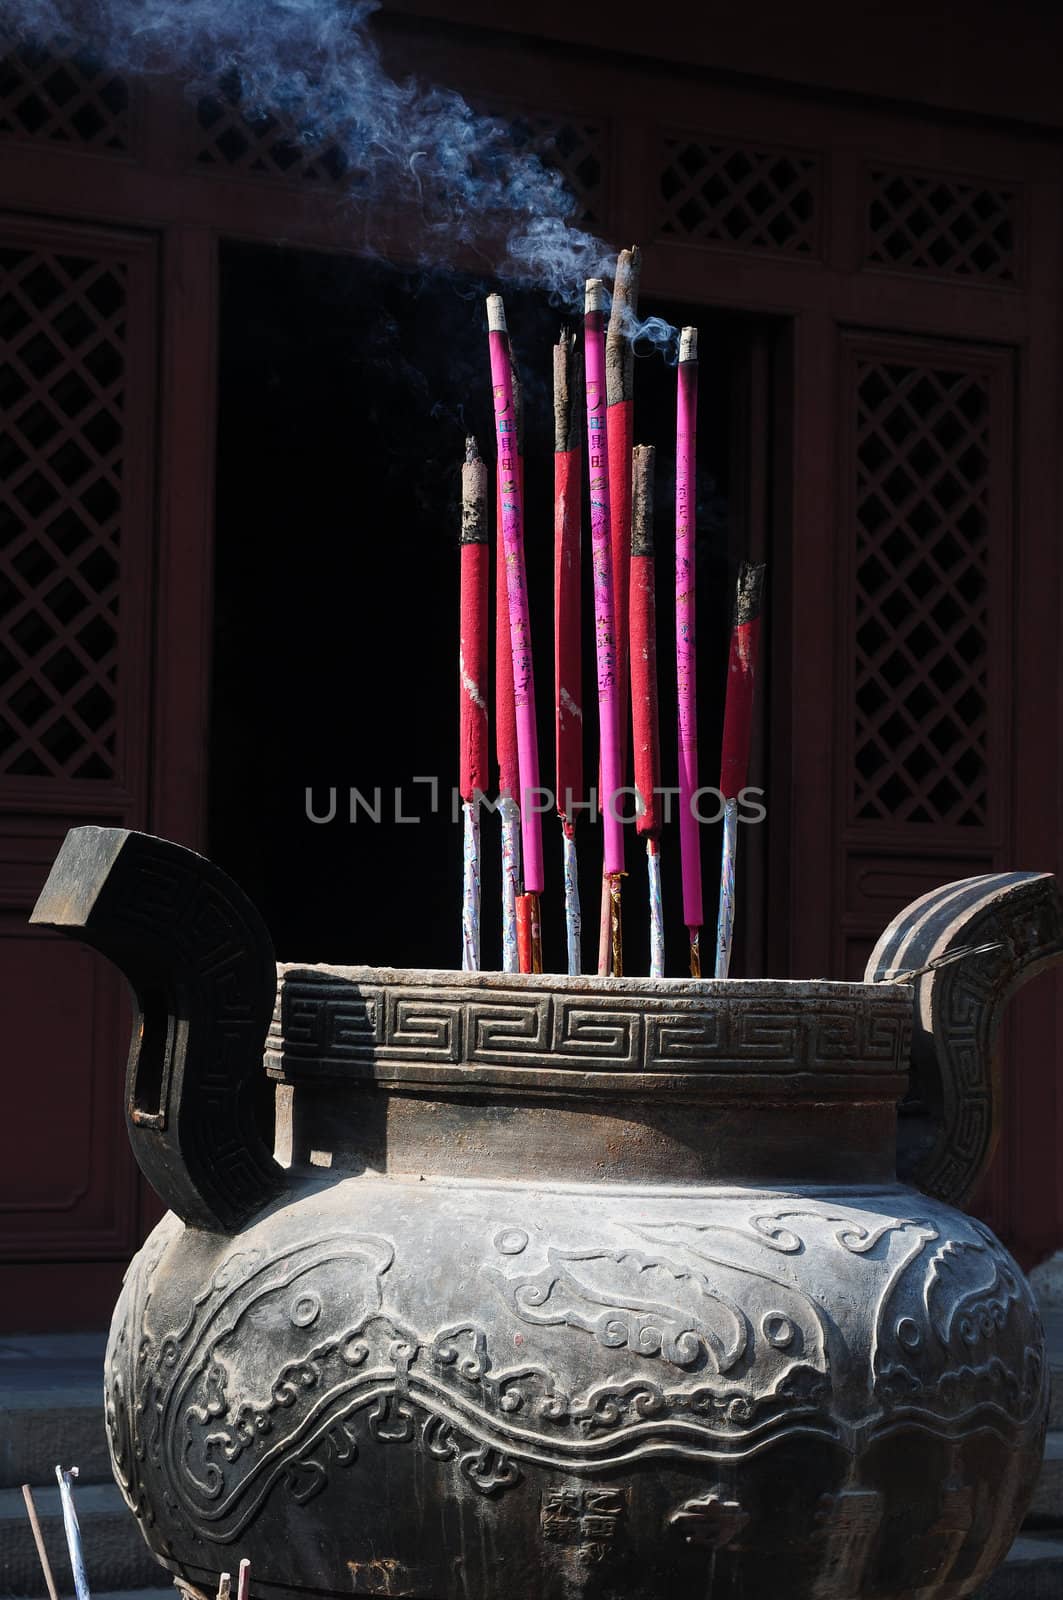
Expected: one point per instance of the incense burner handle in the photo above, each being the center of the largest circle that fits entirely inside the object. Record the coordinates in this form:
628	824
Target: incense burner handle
200	965
965	948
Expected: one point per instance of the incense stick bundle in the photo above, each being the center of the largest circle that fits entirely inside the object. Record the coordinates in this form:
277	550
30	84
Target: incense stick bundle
737	737
472	689
610	956
568	657
512	492
686	637
644	708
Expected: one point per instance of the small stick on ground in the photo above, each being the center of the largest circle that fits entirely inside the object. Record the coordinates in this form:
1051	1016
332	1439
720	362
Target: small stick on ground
38	1539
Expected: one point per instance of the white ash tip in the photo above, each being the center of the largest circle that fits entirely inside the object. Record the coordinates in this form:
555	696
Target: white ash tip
496	314
595	297
688	344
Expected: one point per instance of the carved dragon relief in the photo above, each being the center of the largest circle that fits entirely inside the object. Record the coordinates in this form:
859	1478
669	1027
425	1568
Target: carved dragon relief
727	1351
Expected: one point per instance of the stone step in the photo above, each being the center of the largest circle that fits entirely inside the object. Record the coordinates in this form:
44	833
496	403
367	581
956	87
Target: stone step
51	1400
1033	1570
1046	1510
116	1557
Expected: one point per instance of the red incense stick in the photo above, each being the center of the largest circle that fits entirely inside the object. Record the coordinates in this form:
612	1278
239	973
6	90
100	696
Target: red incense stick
737	737
511	487
472	689
644	706
568	662
685	638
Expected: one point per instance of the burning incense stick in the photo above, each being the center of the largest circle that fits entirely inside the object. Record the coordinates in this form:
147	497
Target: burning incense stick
472	673
644	713
685	637
568	664
511	488
243	1580
737	736
73	1531
610	958
38	1539
225	1585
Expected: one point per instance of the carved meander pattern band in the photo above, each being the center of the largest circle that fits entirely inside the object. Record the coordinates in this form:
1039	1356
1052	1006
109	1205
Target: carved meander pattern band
848	1040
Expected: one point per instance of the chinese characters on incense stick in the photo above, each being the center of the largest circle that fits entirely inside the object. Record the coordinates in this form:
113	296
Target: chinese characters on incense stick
619	480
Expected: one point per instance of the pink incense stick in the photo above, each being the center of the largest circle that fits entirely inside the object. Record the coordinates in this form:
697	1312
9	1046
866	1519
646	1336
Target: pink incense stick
685	638
517	595
604	607
472	689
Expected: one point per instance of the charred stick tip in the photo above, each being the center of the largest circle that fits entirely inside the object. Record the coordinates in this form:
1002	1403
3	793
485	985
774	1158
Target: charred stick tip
643	458
473	496
688	344
496	314
749	594
619	347
568	392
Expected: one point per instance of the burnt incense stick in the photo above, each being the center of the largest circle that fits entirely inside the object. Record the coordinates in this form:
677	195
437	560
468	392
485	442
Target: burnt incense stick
225	1585
609	958
686	637
72	1529
568	662
644	707
737	738
472	689
243	1580
510	483
38	1539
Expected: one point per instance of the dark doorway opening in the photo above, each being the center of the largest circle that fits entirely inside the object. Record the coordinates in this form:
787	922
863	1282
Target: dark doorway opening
346	391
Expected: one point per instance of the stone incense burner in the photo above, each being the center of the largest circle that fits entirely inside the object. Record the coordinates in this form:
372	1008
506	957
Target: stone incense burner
565	1288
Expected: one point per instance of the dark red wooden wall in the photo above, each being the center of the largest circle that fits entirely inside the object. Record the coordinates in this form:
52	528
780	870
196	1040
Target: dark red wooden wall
911	260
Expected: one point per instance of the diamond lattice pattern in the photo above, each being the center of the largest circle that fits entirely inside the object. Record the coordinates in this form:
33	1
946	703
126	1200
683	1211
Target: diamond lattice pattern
259	142
922	478
573	147
62	337
60	92
925	223
742	195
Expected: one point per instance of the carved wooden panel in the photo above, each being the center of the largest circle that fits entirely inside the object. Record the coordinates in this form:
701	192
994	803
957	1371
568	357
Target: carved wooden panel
73	517
939	223
62	93
77	427
928	494
740	193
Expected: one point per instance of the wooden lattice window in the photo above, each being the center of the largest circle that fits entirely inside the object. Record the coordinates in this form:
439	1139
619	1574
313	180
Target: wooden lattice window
61	92
750	196
574	146
259	143
931	222
62	395
929	454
